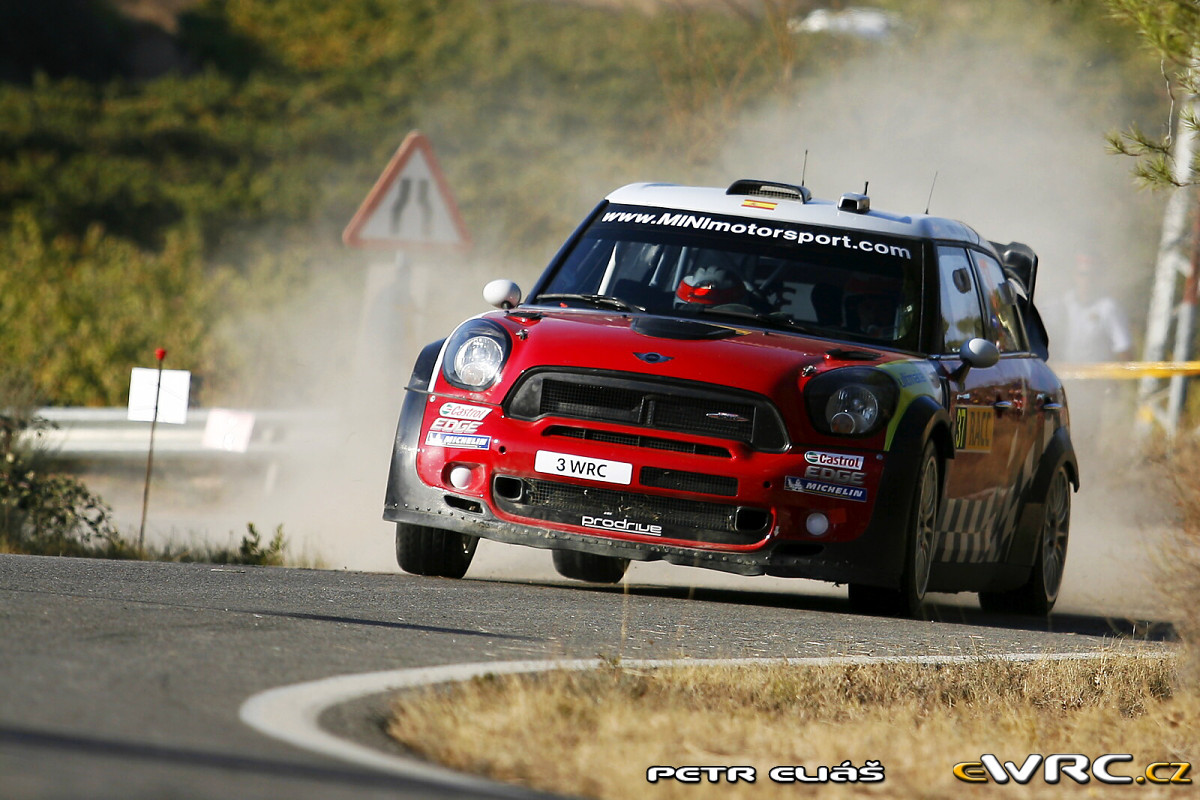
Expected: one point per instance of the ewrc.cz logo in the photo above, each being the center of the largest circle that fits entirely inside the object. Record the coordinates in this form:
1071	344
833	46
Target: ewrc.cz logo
1078	768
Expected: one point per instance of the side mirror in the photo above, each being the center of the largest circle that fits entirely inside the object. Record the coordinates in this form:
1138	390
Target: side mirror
502	293
978	354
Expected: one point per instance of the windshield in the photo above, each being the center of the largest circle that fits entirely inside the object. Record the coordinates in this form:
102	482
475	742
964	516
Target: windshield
831	282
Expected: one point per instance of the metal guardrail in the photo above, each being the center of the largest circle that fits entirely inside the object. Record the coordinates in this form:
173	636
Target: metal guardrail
1127	370
104	434
1158	404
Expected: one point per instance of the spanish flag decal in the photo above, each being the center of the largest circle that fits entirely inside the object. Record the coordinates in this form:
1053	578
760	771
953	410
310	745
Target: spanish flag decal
765	205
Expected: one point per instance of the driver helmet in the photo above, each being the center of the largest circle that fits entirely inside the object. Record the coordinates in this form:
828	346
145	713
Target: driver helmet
710	286
872	304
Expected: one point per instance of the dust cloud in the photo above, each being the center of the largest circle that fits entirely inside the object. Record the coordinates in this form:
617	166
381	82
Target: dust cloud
1019	157
1015	155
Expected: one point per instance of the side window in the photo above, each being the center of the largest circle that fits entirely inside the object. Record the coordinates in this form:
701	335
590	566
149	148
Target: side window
1000	303
961	316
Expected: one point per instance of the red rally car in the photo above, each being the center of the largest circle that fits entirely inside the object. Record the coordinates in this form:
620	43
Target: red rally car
756	381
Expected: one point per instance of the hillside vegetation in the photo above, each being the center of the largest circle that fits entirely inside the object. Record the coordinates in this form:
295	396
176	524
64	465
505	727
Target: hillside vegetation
157	186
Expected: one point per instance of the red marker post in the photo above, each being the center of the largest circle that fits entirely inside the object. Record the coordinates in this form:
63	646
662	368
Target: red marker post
159	354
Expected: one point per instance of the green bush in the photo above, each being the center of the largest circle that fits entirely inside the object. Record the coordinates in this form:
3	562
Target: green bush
43	512
137	214
250	550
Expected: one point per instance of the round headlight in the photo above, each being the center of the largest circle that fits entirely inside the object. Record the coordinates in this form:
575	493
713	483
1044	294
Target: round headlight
478	361
475	355
852	409
851	401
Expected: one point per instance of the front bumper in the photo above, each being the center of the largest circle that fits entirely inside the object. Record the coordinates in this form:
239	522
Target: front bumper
866	545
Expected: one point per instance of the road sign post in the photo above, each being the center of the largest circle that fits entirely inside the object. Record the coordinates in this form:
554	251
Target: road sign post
410	212
410	208
156	395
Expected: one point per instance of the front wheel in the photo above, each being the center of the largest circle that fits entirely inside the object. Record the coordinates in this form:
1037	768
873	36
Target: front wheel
1039	594
920	548
589	567
422	550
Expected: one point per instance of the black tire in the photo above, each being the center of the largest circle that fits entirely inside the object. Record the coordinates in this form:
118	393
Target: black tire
587	567
431	551
920	547
1039	594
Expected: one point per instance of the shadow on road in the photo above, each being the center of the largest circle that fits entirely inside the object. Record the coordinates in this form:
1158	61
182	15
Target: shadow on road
310	617
1113	627
289	772
376	623
1106	626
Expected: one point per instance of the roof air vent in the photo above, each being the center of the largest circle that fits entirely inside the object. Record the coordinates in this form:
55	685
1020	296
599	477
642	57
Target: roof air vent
858	203
779	191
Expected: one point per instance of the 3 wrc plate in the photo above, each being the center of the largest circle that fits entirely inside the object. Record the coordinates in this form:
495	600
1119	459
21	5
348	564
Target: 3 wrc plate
594	469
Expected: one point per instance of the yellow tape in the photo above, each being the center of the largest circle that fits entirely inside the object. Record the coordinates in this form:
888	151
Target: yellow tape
1127	369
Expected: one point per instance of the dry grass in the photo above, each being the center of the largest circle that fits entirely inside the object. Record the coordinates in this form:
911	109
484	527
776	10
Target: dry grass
595	733
1179	564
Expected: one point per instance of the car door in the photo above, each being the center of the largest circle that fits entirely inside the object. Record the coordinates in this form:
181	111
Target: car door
987	407
1016	415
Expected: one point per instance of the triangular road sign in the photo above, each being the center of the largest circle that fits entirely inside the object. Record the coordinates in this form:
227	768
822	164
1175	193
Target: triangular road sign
410	206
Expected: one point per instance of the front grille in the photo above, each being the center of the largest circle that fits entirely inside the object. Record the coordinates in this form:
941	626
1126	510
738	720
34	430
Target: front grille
732	420
679	406
678	518
569	399
636	440
688	481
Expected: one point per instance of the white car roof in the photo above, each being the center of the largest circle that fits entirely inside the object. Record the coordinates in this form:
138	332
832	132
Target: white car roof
715	200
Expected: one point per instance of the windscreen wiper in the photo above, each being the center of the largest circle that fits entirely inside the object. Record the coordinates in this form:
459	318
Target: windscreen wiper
774	319
601	300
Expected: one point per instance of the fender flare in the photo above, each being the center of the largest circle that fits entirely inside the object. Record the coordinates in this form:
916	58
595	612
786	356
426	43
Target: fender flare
422	374
882	544
408	428
1059	452
925	420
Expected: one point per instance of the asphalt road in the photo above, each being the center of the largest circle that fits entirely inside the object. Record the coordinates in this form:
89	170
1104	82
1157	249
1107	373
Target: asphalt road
124	680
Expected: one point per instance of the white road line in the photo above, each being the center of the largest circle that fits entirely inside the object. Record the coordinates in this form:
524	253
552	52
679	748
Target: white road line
290	713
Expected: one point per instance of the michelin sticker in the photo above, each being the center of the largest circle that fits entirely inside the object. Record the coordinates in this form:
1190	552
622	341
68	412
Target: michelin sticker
461	440
808	486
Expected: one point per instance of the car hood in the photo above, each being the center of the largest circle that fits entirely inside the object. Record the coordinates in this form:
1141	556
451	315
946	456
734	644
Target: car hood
719	351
